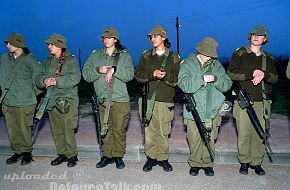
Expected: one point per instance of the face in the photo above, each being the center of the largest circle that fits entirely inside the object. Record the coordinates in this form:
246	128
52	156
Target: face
157	40
204	58
11	48
109	42
257	40
54	50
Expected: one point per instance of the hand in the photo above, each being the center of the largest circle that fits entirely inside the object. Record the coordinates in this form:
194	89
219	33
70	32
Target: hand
109	75
49	82
258	76
159	74
208	78
104	69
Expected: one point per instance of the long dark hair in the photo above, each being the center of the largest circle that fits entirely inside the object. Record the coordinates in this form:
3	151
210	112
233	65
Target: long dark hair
26	50
60	61
167	43
119	46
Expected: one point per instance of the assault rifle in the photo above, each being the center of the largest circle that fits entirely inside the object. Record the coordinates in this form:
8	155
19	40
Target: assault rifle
95	107
204	134
40	112
245	101
144	121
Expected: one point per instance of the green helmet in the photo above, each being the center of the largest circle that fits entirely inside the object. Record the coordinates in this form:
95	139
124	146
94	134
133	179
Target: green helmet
207	47
110	33
15	39
260	31
57	40
158	29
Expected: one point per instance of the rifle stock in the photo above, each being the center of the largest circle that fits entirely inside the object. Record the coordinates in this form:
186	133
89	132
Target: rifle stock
244	100
95	107
191	107
40	111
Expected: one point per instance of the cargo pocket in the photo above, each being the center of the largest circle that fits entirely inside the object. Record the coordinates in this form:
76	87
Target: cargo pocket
62	105
28	115
168	117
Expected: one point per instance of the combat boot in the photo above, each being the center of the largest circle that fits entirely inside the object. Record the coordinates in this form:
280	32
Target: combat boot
26	159
119	163
72	161
258	170
244	168
13	159
149	164
59	160
194	171
104	162
165	165
208	171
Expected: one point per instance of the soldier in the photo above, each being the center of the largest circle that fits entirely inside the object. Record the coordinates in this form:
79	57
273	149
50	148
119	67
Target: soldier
203	75
288	70
60	76
109	69
255	70
159	67
18	69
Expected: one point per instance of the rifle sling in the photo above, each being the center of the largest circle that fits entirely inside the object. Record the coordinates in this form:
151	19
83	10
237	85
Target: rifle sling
264	64
149	111
109	96
44	103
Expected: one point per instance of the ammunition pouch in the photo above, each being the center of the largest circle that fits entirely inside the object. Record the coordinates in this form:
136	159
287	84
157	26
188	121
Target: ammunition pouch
62	105
267	112
267	108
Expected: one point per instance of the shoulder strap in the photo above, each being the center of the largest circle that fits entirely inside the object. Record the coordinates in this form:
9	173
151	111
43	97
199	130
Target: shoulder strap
241	51
10	80
149	111
109	100
264	66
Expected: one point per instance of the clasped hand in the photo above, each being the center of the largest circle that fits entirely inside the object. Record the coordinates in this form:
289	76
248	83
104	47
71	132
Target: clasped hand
159	74
258	76
208	78
49	82
109	71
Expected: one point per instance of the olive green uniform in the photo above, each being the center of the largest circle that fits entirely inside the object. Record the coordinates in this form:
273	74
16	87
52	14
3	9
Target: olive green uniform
63	124
156	133
242	65
19	103
115	139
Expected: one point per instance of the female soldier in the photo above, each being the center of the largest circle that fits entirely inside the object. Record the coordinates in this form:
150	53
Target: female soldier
109	68
159	67
18	69
203	75
60	76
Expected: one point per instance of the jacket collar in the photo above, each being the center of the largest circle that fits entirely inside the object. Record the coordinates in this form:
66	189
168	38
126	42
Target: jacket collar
248	48
113	54
166	53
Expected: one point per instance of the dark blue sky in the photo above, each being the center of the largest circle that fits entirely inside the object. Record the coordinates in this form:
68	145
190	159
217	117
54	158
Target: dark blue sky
82	22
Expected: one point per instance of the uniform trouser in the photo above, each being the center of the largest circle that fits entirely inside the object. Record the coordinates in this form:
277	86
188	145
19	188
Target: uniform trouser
62	127
115	139
19	121
199	154
250	146
156	133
